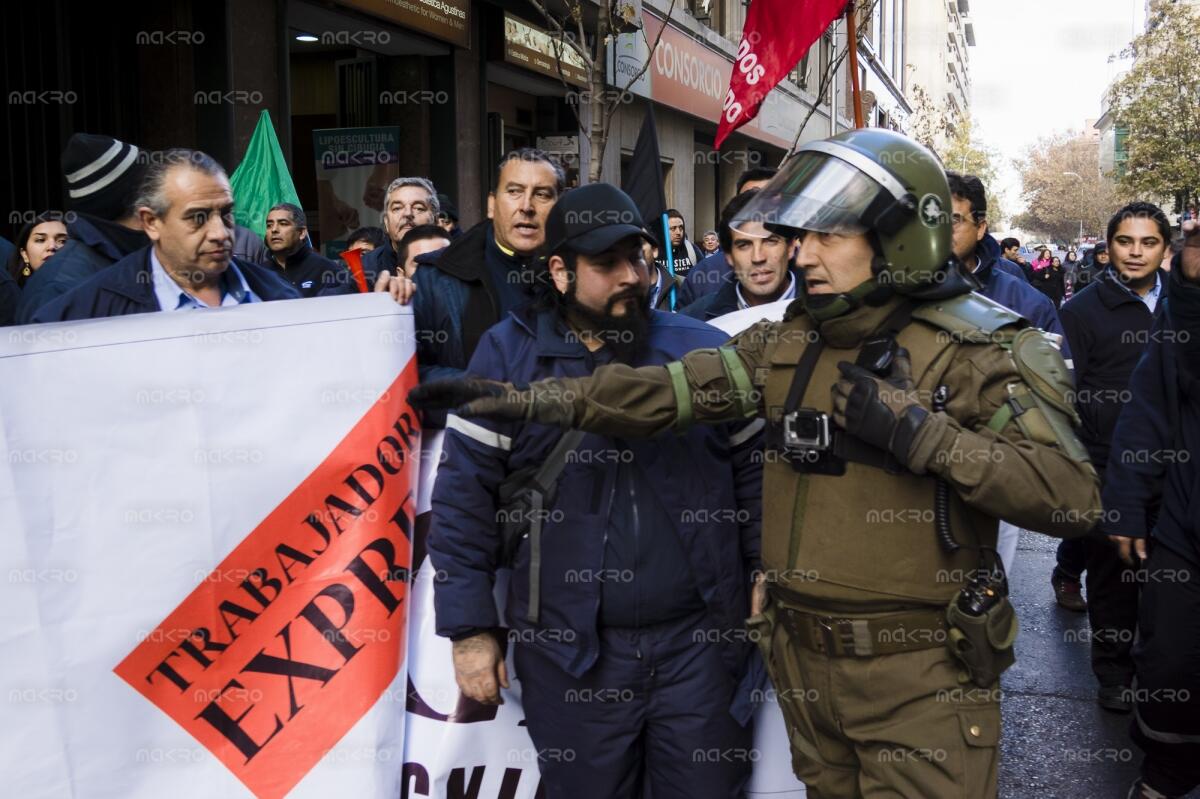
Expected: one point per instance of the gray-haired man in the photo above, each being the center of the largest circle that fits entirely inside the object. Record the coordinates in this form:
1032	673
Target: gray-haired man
185	205
408	202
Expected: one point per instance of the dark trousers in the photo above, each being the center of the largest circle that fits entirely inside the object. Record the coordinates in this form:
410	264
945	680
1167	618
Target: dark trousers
652	713
1166	722
1112	596
1072	557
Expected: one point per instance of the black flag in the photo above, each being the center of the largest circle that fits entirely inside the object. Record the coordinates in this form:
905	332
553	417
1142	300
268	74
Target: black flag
644	181
644	185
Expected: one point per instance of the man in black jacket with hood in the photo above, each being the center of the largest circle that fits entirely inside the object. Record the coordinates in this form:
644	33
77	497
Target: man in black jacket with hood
102	177
1108	325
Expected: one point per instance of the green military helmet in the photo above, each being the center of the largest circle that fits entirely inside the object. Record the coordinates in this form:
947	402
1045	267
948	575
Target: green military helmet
860	181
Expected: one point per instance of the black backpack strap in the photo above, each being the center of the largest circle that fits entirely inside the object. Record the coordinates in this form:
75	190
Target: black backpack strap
803	374
895	322
542	485
843	445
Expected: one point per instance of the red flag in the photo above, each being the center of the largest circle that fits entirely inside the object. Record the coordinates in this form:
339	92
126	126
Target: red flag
777	35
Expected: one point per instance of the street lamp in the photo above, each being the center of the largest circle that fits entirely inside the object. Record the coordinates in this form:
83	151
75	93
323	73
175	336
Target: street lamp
1080	177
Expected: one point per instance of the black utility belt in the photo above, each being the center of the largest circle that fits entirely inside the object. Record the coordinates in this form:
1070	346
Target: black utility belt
813	444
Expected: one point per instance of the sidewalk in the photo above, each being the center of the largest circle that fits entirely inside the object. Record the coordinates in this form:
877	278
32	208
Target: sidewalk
1057	742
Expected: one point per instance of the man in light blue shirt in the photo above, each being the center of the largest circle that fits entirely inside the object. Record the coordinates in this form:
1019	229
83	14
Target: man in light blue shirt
1150	297
172	297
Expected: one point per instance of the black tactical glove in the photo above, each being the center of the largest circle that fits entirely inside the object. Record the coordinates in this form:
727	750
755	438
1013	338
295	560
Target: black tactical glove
884	413
471	397
545	401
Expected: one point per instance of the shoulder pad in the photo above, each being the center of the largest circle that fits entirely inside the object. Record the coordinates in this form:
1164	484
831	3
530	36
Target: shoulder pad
972	317
1041	403
1043	369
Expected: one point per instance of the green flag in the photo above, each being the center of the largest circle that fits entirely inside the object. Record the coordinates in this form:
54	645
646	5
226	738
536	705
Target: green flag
262	179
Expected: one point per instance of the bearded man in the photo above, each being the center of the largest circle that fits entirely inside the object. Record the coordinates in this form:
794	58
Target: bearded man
632	579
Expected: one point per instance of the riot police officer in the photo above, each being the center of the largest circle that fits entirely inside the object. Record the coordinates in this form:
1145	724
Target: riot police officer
905	414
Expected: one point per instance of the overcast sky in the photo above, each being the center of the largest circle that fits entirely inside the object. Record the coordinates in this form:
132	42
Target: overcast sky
1040	67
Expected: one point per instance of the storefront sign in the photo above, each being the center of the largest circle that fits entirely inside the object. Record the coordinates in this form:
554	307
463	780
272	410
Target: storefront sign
354	167
689	76
533	48
448	20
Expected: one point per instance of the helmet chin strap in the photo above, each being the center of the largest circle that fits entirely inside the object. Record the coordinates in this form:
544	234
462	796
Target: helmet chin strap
823	307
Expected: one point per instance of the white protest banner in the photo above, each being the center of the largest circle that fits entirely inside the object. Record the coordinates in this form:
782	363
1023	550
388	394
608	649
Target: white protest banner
735	322
455	746
207	538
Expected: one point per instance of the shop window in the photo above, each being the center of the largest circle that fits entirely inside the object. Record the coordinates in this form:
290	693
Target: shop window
356	95
706	11
799	75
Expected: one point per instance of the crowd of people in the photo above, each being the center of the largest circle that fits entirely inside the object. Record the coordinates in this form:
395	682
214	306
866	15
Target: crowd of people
895	381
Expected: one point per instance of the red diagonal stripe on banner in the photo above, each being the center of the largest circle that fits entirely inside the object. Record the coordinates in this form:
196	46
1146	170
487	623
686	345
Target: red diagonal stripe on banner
292	638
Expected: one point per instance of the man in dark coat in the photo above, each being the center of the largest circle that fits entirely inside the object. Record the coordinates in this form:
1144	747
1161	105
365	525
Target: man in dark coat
998	279
294	258
186	208
102	177
1092	267
626	611
684	252
1108	325
408	203
1150	507
489	270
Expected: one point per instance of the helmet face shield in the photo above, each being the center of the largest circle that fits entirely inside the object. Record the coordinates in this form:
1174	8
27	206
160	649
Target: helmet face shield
814	192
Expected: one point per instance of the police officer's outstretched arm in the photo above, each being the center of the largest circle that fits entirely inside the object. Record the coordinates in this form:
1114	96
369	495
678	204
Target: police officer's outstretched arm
706	386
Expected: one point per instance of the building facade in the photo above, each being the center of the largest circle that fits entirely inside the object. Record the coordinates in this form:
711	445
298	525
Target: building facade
940	34
455	82
462	81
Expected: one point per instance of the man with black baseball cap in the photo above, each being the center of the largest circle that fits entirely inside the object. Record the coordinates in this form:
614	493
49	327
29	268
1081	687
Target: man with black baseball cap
625	606
102	177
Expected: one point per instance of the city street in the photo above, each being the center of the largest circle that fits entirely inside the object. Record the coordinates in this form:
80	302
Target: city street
1057	741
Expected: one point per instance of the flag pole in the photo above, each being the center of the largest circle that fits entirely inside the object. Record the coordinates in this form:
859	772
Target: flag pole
670	256
855	88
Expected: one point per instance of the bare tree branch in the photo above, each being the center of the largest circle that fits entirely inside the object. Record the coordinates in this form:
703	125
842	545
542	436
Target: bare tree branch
866	10
649	57
822	87
563	37
653	47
